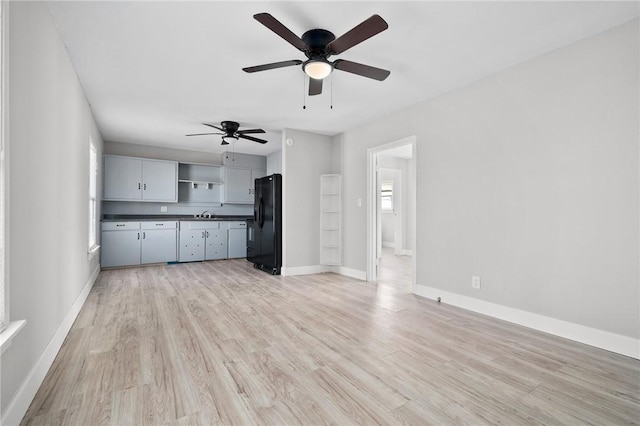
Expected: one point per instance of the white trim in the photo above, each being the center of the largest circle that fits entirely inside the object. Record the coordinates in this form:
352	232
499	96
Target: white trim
613	342
93	251
388	244
305	270
406	252
18	406
353	273
9	333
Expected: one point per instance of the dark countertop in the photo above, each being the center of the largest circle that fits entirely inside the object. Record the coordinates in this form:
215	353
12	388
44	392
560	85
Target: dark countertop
146	217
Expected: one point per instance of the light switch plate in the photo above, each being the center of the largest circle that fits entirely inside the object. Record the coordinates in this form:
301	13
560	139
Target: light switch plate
163	209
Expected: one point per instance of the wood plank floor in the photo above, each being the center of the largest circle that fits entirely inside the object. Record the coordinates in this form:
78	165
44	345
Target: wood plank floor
222	343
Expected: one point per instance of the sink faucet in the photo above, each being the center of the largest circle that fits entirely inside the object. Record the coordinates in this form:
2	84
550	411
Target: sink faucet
204	214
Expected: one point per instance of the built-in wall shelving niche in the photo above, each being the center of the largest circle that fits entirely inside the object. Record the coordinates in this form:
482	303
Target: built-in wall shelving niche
331	220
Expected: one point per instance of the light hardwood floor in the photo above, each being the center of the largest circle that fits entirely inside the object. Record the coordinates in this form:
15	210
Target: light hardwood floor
222	343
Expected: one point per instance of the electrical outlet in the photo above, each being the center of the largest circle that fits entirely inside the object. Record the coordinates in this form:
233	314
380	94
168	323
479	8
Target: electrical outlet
163	209
475	282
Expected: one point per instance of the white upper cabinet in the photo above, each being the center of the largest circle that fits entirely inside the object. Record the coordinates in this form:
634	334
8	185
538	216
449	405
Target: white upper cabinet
160	180
140	179
239	186
122	178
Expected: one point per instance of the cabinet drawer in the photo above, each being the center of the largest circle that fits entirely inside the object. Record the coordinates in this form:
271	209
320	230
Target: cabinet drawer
237	225
203	224
120	226
159	225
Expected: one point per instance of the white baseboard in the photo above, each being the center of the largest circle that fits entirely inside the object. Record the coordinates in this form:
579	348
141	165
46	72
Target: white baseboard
613	342
18	406
407	252
388	244
306	270
353	273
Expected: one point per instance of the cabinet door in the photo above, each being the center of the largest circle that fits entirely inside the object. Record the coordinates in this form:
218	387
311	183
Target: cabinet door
238	186
191	245
160	181
159	246
237	243
122	178
216	244
120	248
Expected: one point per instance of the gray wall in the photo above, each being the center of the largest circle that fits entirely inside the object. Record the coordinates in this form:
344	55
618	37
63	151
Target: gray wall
145	151
50	123
305	160
528	178
274	163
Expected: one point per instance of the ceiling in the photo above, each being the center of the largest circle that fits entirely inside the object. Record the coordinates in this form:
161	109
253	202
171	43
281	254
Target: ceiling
154	71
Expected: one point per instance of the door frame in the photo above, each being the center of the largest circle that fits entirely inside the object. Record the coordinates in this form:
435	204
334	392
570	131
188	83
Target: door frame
372	204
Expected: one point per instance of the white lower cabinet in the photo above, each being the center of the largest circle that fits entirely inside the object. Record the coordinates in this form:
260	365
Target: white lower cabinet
120	248
202	240
135	243
237	239
159	242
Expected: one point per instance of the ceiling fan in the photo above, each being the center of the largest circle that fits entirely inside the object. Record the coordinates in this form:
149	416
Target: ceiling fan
229	131
318	45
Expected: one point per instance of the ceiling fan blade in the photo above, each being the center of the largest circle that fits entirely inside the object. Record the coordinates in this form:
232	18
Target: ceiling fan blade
272	66
244	132
252	139
315	86
358	34
361	69
277	27
201	134
214	126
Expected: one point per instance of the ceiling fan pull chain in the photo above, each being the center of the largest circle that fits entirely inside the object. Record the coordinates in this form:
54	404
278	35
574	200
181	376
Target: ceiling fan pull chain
304	91
331	91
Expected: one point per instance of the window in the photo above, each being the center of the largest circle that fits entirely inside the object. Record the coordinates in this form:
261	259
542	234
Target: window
93	197
386	196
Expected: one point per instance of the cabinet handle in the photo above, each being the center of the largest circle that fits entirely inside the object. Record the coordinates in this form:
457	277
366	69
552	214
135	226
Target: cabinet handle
138	185
144	235
207	234
202	234
138	235
159	224
145	186
120	224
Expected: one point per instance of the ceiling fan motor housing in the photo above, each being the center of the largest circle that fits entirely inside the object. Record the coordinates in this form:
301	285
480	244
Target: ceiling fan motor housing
318	40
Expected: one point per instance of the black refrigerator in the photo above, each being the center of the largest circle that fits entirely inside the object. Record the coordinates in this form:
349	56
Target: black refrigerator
264	233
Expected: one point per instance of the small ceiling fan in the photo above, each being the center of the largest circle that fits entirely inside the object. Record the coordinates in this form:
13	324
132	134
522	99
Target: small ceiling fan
229	131
318	45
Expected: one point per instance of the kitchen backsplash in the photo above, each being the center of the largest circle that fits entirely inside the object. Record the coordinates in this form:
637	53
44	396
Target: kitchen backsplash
127	207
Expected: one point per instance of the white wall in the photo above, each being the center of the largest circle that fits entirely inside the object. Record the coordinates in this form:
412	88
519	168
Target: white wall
274	163
528	178
49	122
304	161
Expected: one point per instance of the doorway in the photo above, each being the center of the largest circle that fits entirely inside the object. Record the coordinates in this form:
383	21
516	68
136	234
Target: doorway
391	213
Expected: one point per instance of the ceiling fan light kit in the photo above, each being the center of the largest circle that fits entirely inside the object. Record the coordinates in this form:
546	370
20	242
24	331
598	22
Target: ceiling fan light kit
317	68
318	45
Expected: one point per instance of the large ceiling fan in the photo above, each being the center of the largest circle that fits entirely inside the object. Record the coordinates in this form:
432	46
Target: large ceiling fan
318	45
229	131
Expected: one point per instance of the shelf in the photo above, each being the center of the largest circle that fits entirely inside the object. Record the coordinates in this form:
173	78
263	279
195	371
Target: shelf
330	220
195	183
